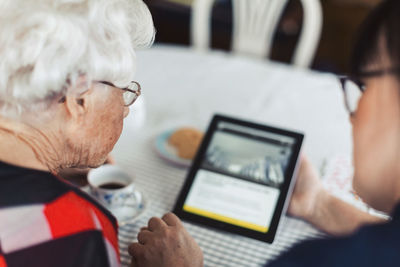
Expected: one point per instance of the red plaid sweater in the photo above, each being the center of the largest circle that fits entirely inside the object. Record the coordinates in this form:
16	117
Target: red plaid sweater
46	222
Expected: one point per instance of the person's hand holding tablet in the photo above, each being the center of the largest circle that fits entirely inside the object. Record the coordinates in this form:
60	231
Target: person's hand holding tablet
313	203
307	192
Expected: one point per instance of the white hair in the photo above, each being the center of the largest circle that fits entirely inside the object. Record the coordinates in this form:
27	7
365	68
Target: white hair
45	43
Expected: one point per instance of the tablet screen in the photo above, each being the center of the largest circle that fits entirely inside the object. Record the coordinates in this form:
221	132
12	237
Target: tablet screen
240	176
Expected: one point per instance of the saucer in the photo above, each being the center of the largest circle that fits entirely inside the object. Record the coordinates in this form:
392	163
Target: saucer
168	152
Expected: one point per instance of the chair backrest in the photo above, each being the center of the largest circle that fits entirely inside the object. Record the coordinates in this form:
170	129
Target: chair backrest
254	25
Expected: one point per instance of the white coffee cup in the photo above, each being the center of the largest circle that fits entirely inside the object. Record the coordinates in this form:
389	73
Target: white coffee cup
115	190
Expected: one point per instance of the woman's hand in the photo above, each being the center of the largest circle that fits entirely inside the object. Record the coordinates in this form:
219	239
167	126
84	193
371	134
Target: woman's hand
307	192
165	243
316	205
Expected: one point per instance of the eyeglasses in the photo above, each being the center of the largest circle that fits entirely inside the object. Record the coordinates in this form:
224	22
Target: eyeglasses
354	88
131	92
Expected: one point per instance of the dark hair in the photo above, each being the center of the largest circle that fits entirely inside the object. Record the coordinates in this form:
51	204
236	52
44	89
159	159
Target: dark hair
382	22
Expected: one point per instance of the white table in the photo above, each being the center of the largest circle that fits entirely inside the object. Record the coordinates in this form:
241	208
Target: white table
181	87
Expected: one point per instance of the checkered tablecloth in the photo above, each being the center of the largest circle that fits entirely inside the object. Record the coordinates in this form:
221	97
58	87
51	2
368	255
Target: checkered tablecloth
161	183
183	88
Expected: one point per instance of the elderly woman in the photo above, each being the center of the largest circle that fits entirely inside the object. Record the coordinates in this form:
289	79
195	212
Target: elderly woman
66	74
372	95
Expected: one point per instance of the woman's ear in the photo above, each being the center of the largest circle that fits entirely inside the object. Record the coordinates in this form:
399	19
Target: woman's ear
78	101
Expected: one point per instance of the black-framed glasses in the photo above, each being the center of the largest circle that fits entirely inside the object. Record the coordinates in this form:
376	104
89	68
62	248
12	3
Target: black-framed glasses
353	88
131	92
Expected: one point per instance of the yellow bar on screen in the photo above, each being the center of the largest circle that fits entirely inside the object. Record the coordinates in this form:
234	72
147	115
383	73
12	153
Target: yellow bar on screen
226	219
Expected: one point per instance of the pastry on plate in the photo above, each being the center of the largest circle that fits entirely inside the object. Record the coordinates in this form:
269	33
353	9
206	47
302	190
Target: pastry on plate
186	141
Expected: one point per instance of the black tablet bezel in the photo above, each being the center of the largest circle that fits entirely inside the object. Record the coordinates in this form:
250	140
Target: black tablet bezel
285	189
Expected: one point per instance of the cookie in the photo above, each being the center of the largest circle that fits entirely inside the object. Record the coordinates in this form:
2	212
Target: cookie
186	141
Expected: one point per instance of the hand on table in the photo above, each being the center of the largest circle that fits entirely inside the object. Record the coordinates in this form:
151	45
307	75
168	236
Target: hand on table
307	191
165	243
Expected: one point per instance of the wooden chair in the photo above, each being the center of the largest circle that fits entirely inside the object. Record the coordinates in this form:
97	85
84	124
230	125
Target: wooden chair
254	24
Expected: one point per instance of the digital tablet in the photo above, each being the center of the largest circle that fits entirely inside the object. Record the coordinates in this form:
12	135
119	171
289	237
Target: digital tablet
241	178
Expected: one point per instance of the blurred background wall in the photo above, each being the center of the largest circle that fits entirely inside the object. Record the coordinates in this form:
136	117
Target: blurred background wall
341	21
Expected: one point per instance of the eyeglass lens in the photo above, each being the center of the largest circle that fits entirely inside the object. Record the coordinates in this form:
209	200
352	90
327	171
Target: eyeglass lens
353	94
129	98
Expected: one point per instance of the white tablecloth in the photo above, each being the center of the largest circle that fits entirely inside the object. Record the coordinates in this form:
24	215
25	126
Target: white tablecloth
182	87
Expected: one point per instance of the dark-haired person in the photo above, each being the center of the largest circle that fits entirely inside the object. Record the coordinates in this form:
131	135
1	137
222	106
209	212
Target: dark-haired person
372	97
375	117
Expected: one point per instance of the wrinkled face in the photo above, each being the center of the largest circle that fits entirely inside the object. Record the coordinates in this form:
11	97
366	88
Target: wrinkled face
100	127
376	136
